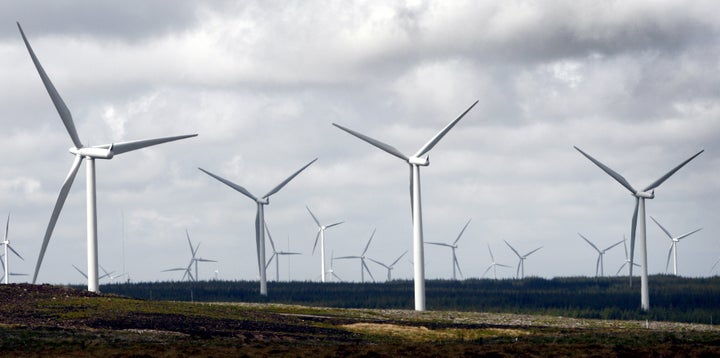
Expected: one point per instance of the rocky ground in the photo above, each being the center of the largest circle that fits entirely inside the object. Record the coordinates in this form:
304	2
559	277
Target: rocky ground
56	321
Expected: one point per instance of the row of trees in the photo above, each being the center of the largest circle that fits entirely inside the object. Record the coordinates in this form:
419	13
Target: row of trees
672	298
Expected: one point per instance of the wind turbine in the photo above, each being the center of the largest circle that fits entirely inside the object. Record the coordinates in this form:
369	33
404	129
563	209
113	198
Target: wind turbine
599	264
276	255
363	265
331	271
521	263
321	235
6	262
389	267
627	259
105	151
673	245
259	217
453	246
416	161
493	265
193	261
638	219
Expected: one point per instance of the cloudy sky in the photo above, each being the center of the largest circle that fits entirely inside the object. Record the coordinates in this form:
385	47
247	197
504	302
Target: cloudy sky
635	84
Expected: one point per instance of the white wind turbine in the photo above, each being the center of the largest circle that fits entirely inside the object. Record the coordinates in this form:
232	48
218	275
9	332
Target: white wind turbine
453	246
321	236
105	151
638	219
389	267
363	265
493	265
521	264
599	264
194	260
331	271
276	255
6	261
627	259
673	245
416	161
259	218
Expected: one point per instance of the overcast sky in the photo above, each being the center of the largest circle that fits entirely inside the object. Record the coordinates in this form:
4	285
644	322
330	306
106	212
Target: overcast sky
635	84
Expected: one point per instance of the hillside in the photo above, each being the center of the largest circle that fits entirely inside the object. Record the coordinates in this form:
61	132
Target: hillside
52	321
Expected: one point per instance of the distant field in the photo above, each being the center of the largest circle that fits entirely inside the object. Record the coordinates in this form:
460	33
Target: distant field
58	321
691	300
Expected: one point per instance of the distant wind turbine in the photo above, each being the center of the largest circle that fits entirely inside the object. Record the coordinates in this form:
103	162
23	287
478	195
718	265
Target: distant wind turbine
331	271
6	262
521	264
276	255
321	236
259	217
627	259
363	265
452	247
638	219
599	264
416	161
194	260
105	151
493	265
673	246
389	267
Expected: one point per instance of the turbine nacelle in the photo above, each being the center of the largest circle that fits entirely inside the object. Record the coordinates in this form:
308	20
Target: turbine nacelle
645	194
419	161
263	201
92	152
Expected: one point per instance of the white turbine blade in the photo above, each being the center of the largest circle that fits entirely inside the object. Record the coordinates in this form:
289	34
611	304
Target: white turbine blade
367	269
412	203
192	251
272	244
270	261
281	185
461	232
491	254
429	145
668	259
257	239
501	265
517	272
613	245
670	173
368	243
379	263
336	276
385	147
15	252
532	252
346	257
398	259
625	247
54	95
715	264
230	184
288	253
80	271
7	227
335	224
316	241
2	263
513	249
437	243
313	216
688	234
486	271
632	234
457	264
174	269
17	274
662	228
56	212
588	241
597	265
620	179
124	147
204	260
620	269
103	270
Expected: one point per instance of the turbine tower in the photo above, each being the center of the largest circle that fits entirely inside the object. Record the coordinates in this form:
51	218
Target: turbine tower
599	264
259	217
493	265
389	267
321	235
453	246
105	151
6	262
363	265
638	219
416	161
673	246
276	255
521	264
627	259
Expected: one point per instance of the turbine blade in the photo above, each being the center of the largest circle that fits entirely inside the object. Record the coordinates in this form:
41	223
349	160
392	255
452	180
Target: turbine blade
437	243
385	147
15	252
270	261
671	172
335	224
662	228
54	95
313	216
461	232
533	251
272	244
491	254
347	257
257	239
501	265
379	263
429	145
80	271
457	264
588	241
613	245
124	147
688	234
316	241
368	243
412	203
620	269
715	264
231	184
281	185
668	259
486	271
632	234
7	227
513	249
367	270
620	179
64	190
597	265
398	259
192	251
